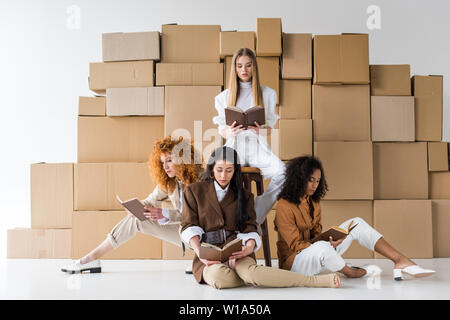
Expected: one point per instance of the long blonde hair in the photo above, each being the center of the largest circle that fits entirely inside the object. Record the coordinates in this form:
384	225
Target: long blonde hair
233	85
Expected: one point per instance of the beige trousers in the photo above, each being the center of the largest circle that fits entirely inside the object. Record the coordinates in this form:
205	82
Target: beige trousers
247	272
127	228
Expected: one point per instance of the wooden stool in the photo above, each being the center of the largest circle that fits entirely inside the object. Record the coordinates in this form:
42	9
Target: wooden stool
250	174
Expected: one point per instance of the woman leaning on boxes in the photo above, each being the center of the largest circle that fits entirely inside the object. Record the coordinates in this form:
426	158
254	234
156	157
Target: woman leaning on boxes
245	92
171	176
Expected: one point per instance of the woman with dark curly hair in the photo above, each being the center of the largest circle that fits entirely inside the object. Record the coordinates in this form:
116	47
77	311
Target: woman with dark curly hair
172	165
298	220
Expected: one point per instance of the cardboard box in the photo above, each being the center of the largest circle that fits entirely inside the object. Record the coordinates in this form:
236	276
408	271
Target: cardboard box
189	111
341	112
120	75
189	74
439	185
428	95
288	146
437	156
390	80
97	184
341	59
334	213
406	225
295	99
92	106
90	228
39	243
118	139
51	195
400	170
273	238
268	37
121	46
232	41
441	221
135	101
268	73
348	169
190	43
392	118
296	62
173	252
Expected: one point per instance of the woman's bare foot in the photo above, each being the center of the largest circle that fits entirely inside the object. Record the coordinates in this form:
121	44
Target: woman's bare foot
403	262
337	280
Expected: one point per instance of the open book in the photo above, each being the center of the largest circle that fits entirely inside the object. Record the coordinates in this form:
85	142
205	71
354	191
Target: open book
335	232
135	206
211	252
245	118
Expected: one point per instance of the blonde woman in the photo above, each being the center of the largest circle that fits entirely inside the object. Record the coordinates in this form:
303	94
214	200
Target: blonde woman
244	92
171	175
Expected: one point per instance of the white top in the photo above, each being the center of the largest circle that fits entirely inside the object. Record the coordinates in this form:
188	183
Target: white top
190	232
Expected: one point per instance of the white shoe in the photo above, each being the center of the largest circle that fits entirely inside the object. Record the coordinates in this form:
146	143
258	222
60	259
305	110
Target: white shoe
414	271
77	267
188	270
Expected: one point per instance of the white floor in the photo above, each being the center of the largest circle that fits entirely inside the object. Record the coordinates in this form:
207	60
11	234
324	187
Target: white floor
164	280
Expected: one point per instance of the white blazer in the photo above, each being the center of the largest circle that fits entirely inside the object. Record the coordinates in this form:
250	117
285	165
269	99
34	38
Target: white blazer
158	196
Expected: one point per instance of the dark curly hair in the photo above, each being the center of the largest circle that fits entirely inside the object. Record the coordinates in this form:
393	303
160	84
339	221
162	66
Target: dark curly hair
298	172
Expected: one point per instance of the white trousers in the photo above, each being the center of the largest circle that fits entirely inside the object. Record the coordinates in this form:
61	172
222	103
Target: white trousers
255	153
322	256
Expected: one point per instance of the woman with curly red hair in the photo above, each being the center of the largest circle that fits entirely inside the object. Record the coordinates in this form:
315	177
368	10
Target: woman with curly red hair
173	164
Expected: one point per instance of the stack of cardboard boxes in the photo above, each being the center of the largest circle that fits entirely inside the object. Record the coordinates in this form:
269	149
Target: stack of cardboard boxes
377	132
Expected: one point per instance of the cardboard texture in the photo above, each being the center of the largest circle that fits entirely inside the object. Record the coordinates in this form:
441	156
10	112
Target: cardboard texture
295	99
118	139
428	95
342	59
273	238
437	156
268	37
348	168
173	252
120	75
184	106
268	73
92	106
390	80
400	170
439	185
51	195
97	184
135	101
190	43
296	62
25	243
189	74
406	225
392	118
232	41
336	212
441	221
122	46
341	112
295	138
91	227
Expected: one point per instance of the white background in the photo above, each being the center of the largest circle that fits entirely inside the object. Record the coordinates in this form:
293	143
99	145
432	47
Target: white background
44	63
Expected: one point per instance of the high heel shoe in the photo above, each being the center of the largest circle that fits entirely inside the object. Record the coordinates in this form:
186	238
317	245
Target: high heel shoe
414	271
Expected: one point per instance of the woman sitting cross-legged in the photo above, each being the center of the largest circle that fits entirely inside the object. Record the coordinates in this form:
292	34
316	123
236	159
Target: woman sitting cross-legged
298	221
218	210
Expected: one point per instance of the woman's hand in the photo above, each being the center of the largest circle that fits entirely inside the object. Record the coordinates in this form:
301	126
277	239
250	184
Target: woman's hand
246	250
195	245
153	213
233	130
259	129
336	243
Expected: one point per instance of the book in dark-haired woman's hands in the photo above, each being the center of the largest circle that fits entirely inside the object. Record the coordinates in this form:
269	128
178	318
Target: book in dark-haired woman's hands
335	232
245	118
214	253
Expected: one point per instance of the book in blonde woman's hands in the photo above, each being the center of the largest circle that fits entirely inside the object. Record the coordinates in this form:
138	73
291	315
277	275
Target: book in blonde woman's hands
135	206
245	118
214	253
335	232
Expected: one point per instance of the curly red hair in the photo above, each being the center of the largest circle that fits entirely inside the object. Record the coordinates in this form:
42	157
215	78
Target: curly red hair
187	171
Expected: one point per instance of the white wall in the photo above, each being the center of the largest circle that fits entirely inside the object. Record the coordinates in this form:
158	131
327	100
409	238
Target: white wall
44	64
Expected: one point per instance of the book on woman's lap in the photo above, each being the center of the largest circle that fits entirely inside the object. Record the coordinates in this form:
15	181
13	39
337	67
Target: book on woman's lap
214	253
245	118
134	206
335	232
